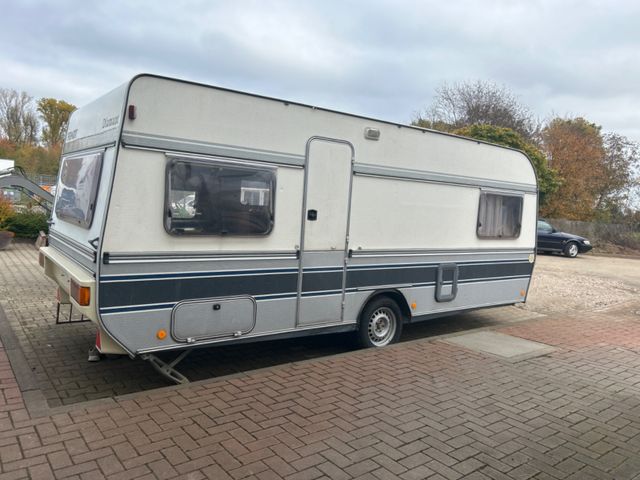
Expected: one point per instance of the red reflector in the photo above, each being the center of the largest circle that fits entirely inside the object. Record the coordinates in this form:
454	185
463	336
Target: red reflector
132	112
98	341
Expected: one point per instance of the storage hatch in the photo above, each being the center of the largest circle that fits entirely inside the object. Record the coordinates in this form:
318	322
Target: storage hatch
203	319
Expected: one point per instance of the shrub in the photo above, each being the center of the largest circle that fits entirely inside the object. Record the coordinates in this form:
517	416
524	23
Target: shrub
631	240
6	210
26	224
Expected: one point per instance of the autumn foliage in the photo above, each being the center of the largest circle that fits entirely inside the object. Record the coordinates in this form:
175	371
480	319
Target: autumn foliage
34	159
575	149
6	210
583	173
32	133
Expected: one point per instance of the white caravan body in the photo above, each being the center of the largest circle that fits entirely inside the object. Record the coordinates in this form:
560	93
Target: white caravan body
191	215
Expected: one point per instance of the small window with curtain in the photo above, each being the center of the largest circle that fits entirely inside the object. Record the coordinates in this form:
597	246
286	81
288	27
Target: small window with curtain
499	216
207	198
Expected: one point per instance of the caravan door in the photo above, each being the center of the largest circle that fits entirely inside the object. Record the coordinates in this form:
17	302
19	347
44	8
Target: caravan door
325	226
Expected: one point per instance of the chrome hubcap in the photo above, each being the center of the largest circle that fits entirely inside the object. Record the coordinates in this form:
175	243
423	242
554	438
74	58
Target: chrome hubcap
382	326
573	250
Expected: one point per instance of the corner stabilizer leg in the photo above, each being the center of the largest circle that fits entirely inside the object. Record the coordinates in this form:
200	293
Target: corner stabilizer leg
167	369
94	354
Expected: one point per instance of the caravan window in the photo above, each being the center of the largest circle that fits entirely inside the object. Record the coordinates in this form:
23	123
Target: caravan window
77	188
206	198
499	216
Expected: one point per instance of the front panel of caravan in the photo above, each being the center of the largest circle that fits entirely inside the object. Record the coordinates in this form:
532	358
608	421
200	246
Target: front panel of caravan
415	207
82	195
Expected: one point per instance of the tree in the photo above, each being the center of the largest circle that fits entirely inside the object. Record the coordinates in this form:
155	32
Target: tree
575	149
621	159
548	179
18	121
33	159
55	114
477	103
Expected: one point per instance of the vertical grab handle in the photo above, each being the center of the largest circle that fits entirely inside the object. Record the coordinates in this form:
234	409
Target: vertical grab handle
443	270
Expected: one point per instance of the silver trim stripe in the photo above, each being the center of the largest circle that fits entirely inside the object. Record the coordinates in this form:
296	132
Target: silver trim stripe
428	252
134	258
172	257
159	142
434	177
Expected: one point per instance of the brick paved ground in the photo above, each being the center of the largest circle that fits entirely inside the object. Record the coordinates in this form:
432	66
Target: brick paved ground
57	354
420	409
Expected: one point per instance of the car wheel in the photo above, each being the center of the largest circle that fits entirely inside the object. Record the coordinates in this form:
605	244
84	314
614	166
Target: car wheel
380	323
571	249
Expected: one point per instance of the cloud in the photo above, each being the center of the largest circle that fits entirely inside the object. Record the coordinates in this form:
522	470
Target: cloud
378	58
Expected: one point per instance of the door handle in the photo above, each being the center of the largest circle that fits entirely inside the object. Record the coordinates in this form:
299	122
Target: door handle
312	215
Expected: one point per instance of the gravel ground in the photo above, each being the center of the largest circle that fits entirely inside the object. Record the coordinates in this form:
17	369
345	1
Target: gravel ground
585	283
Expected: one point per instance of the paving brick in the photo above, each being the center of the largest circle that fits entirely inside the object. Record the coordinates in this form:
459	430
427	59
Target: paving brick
10	453
59	459
415	410
76	469
417	473
110	465
41	472
216	472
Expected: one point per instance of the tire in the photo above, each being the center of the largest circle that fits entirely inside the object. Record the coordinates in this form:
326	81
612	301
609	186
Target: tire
380	323
571	250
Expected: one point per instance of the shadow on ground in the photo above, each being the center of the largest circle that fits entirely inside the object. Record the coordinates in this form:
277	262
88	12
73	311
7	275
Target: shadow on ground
117	375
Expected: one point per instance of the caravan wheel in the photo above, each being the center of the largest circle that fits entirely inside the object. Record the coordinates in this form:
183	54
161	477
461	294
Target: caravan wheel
380	323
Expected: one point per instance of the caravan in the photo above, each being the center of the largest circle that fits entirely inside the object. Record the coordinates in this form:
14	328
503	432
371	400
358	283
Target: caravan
188	215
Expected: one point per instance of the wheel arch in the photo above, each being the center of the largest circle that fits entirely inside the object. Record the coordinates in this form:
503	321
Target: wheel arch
396	296
567	245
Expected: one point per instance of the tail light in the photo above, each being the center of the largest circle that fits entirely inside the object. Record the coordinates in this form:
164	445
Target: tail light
82	295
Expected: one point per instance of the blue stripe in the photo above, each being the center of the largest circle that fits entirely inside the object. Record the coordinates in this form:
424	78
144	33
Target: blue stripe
290	295
168	276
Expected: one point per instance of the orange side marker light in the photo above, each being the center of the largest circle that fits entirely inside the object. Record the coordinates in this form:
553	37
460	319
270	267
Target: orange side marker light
80	294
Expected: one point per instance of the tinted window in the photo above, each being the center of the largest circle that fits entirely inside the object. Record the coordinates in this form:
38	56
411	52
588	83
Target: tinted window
218	199
77	188
499	216
544	226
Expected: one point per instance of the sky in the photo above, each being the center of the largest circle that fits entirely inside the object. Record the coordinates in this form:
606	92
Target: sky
377	58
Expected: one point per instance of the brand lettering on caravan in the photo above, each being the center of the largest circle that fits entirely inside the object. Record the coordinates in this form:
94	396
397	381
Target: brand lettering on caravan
110	121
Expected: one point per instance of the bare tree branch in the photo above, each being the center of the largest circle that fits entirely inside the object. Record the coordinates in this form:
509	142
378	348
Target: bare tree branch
18	120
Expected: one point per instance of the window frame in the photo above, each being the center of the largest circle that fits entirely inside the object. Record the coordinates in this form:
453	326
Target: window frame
483	195
237	164
93	196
